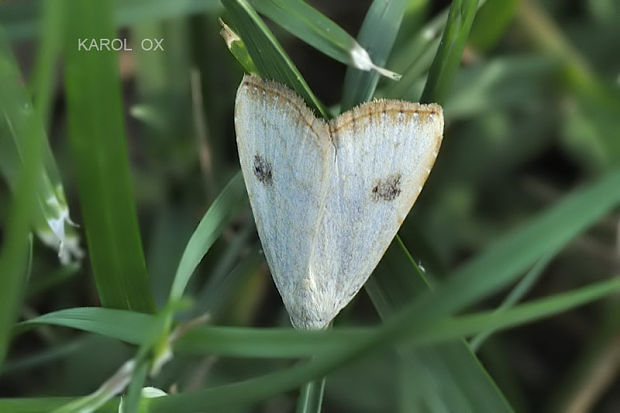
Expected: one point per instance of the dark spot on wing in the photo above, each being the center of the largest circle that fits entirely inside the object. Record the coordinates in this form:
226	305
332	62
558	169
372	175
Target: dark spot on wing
263	170
386	189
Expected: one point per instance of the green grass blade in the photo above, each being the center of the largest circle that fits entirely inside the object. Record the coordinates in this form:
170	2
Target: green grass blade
134	391
129	326
237	48
50	46
377	35
311	397
16	244
255	389
551	230
448	57
135	328
225	207
314	28
18	119
21	17
97	139
268	55
491	21
395	282
515	295
46	404
467	325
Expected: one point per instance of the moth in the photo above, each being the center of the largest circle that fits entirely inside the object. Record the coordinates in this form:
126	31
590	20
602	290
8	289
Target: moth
329	197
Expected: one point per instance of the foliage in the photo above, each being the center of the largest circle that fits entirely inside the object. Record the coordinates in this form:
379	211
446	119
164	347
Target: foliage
516	224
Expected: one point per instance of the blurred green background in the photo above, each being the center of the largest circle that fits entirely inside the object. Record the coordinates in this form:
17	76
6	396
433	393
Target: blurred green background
532	113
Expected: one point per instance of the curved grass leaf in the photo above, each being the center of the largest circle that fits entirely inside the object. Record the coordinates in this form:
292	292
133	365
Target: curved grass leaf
252	390
377	35
268	55
134	327
129	326
225	207
314	28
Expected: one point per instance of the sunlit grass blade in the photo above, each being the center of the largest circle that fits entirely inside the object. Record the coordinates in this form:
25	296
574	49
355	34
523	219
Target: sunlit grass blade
314	28
448	57
377	35
16	243
99	150
270	59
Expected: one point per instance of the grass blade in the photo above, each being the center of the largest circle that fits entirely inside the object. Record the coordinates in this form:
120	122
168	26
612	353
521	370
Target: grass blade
134	328
129	326
97	139
491	21
21	18
46	404
248	391
224	208
16	244
515	295
19	119
546	307
237	48
448	57
314	28
377	35
311	397
392	287
268	55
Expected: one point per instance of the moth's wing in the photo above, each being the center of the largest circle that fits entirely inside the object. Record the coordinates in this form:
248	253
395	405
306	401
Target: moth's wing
285	156
384	153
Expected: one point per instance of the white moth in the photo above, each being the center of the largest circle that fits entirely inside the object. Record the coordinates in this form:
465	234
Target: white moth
328	197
